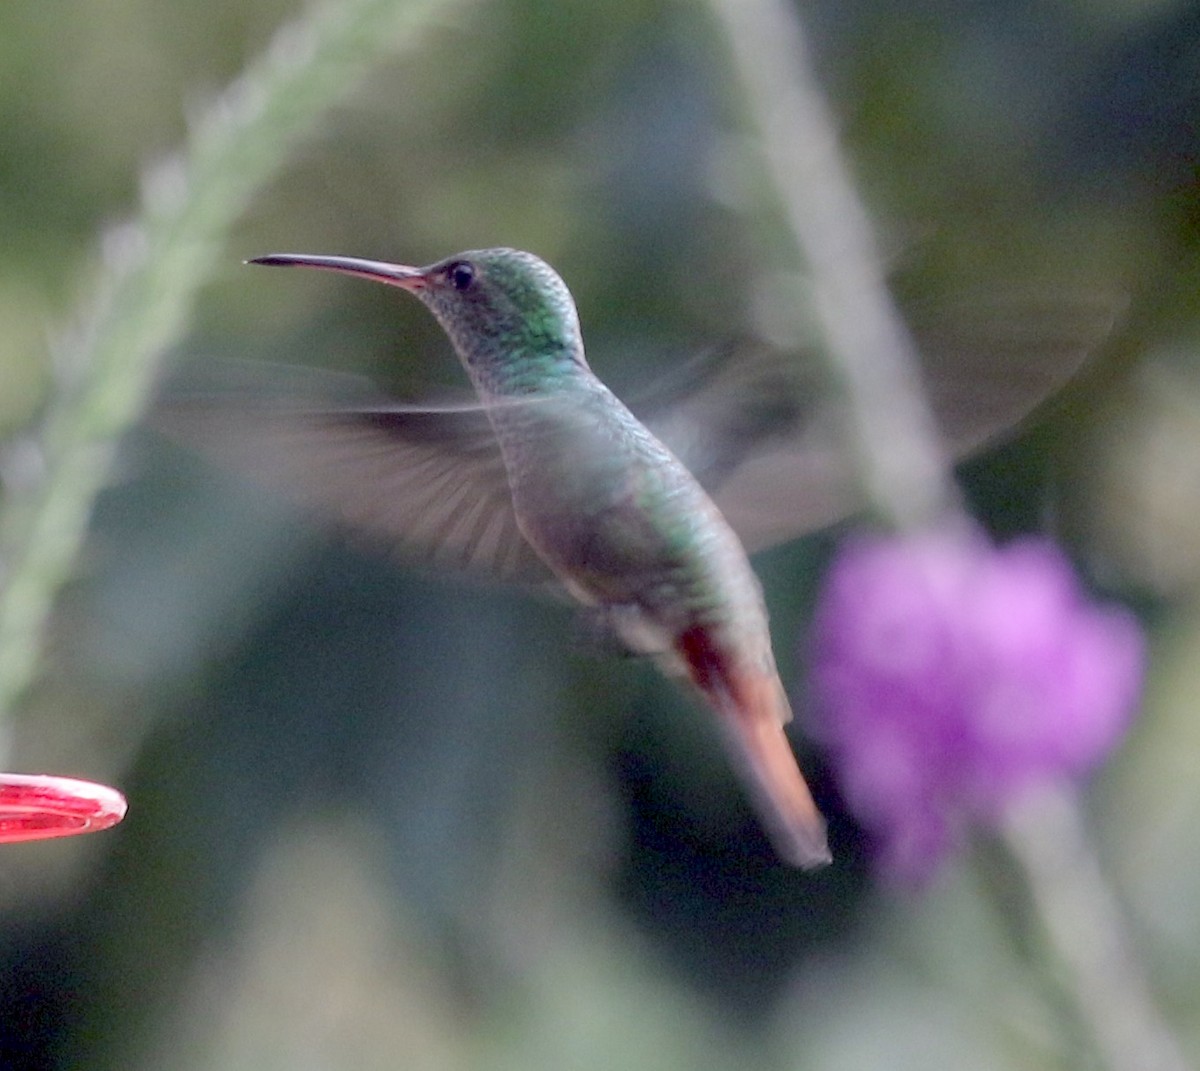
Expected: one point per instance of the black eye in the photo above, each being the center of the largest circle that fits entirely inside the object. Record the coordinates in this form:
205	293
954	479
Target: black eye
461	275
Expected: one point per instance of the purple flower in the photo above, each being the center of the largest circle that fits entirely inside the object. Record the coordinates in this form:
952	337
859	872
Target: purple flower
950	677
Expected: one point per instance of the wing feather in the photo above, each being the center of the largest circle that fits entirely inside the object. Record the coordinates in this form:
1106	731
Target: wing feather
429	482
754	426
765	440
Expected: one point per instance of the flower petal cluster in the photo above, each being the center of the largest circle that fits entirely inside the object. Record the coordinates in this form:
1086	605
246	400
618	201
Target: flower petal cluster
951	676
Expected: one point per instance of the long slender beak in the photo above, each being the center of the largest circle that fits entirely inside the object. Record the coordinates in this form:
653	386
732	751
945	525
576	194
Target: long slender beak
393	274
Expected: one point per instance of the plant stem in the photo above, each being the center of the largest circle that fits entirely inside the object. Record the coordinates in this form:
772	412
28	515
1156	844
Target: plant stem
1085	933
871	355
152	270
905	474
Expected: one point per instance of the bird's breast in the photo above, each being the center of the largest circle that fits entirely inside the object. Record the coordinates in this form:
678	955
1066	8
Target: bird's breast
618	517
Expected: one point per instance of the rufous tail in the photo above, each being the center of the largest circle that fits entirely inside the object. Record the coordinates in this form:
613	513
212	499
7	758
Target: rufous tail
753	710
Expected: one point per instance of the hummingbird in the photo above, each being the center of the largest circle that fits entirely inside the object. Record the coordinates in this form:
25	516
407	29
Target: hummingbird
613	514
545	475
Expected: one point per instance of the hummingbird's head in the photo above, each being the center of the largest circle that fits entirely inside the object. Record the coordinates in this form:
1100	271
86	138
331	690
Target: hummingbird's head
509	315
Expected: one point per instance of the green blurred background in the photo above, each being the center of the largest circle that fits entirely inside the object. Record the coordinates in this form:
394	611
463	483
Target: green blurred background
386	819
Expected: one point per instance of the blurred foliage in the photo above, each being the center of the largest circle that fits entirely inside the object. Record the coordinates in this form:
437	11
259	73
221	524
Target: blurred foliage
388	820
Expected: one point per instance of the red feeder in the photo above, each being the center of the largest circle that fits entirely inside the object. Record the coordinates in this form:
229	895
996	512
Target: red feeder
40	806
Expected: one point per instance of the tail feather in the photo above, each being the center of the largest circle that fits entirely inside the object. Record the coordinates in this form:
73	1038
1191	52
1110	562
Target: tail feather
753	723
753	709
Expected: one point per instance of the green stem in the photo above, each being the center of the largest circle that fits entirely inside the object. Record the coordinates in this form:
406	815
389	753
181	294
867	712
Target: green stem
871	355
1083	928
153	269
904	471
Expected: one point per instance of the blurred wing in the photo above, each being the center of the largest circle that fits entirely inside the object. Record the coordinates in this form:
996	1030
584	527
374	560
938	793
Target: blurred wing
762	437
429	481
791	487
753	426
988	366
720	409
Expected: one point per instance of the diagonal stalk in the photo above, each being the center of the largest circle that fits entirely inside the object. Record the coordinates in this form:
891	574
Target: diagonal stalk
152	270
871	356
